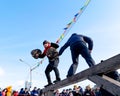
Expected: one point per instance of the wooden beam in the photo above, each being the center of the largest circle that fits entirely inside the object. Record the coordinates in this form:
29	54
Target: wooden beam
108	65
111	80
107	83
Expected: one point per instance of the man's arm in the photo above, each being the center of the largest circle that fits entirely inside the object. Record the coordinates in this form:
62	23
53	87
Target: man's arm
42	55
54	45
89	41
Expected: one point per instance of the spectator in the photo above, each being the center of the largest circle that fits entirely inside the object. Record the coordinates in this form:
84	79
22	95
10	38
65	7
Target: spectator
64	92
4	92
67	92
9	90
21	91
34	92
76	91
26	92
15	93
88	91
80	90
57	93
39	91
70	93
0	92
98	92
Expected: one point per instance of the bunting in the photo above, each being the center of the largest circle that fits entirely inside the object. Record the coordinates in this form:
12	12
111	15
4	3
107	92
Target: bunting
73	21
68	26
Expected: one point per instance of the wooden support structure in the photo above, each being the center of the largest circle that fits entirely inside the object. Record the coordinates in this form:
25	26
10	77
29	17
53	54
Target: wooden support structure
111	85
108	84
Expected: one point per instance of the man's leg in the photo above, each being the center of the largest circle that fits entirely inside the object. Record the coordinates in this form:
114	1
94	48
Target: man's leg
73	67
87	56
47	73
56	74
55	65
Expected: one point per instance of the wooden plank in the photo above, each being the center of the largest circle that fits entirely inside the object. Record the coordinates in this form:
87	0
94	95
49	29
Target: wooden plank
108	65
111	80
107	83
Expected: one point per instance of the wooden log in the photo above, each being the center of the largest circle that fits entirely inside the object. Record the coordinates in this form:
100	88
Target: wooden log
108	65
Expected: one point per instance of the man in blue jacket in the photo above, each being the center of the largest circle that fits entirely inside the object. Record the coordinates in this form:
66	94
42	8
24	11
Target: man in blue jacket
77	44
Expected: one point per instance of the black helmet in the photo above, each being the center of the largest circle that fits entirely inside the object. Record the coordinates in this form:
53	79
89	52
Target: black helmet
34	52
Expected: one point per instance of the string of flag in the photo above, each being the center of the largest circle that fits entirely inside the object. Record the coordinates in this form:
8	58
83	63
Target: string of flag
68	27
72	22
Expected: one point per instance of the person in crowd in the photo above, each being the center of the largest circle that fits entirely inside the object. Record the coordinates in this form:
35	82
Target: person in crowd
51	52
76	91
21	92
57	93
98	92
15	93
26	92
4	92
78	45
34	92
88	91
80	90
70	93
39	91
67	92
0	92
9	90
64	92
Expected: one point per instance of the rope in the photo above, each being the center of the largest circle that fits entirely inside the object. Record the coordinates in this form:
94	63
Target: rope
68	27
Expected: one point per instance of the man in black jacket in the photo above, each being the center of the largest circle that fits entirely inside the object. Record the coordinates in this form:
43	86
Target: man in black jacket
52	54
78	46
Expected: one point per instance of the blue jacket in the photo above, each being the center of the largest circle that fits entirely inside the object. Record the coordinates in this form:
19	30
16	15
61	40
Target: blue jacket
0	93
77	38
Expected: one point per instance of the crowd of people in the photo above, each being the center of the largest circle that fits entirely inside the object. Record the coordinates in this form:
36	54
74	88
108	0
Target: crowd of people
22	92
75	91
78	91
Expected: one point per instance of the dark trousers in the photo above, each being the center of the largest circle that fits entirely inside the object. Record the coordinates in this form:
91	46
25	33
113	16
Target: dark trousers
76	50
52	66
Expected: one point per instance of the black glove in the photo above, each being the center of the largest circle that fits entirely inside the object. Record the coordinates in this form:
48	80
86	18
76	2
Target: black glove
35	53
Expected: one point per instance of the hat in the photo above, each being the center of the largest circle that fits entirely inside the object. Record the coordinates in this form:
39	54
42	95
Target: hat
45	41
35	51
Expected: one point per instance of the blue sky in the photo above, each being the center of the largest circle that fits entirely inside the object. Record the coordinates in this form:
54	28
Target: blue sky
25	24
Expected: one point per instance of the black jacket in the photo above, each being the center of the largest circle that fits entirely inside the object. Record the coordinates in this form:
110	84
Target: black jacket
51	53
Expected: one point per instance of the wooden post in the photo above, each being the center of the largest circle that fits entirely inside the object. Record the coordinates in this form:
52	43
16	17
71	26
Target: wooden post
108	65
